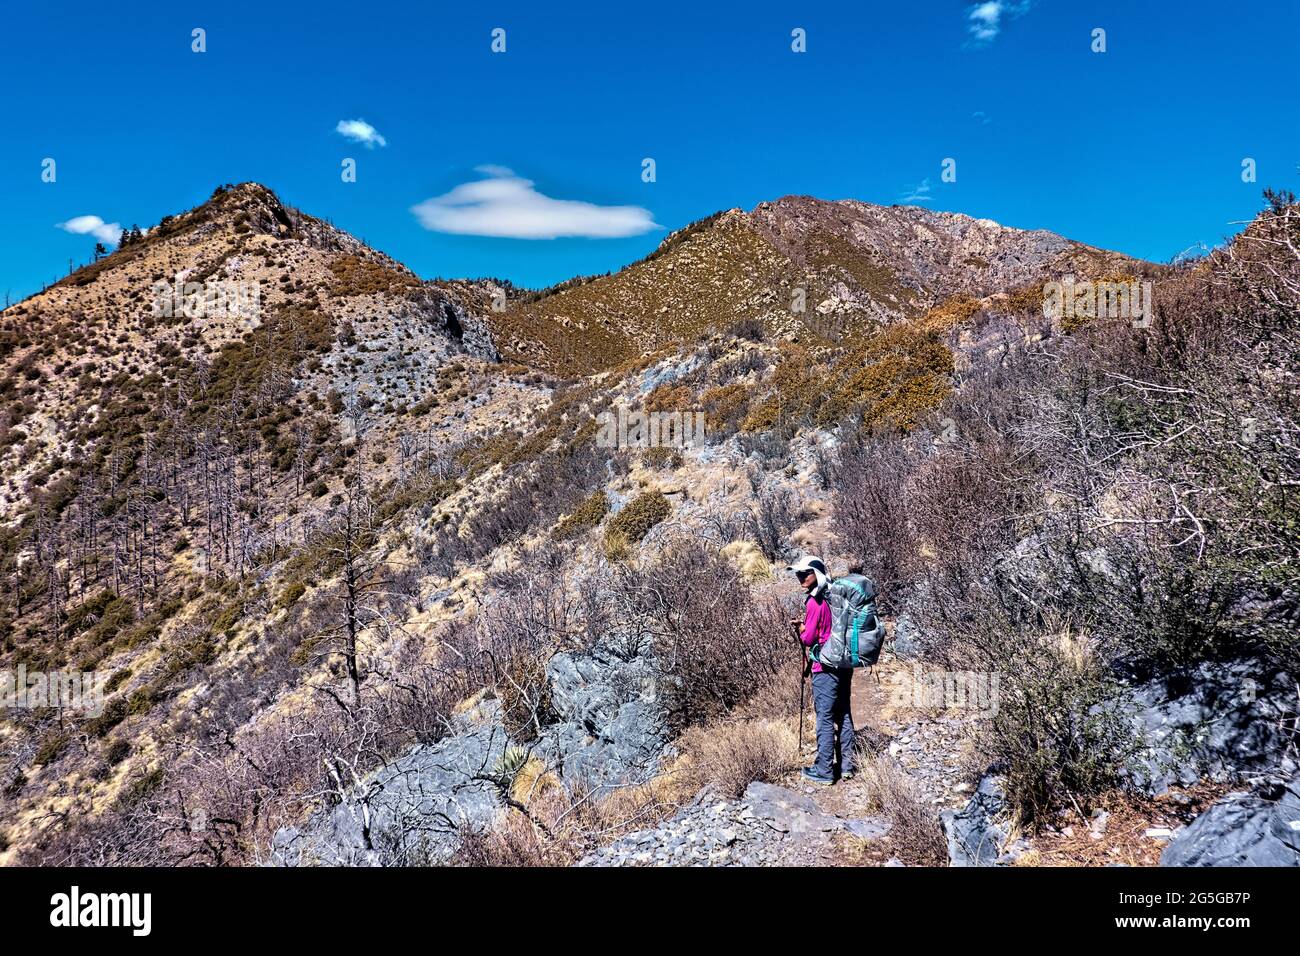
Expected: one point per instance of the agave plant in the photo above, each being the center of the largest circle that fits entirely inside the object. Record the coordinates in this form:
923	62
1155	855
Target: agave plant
512	761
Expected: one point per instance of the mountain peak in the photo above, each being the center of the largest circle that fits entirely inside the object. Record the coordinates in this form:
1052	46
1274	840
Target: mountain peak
799	265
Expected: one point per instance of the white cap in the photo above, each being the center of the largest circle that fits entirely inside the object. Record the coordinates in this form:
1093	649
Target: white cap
808	562
814	564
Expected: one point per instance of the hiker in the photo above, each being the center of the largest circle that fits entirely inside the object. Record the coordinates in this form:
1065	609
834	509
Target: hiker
831	685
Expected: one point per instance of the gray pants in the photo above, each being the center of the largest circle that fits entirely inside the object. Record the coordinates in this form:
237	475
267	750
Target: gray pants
830	690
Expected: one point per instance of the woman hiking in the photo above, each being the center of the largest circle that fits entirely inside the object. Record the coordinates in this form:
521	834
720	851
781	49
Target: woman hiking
830	685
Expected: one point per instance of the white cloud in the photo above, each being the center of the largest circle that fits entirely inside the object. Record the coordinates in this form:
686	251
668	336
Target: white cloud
359	131
918	193
984	20
93	226
981	117
507	206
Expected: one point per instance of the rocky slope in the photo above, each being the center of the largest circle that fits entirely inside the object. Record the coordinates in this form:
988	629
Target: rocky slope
367	589
801	267
183	412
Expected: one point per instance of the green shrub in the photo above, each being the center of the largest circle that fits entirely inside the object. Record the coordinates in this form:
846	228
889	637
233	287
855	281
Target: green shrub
113	715
117	751
638	516
587	515
290	595
139	702
140	788
50	748
356	276
88	612
1057	731
663	457
226	621
117	615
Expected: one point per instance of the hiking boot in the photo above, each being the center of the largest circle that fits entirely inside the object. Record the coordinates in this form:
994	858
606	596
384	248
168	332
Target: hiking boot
811	775
848	774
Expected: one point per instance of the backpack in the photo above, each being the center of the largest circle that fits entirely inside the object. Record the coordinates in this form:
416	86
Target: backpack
857	633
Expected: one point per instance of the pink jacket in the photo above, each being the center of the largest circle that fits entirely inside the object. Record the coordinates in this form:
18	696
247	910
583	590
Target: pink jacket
816	625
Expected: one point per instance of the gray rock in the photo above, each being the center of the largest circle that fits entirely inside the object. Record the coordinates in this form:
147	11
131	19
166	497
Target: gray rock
612	727
975	837
1229	722
1012	852
906	643
868	828
1100	821
411	811
665	373
787	811
1264	610
770	824
470	331
1242	829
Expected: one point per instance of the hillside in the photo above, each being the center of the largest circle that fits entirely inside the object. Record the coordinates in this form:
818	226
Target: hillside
366	587
804	269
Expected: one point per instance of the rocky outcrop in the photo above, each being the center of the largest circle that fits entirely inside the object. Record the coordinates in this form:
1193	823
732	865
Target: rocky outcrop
975	834
906	643
460	321
1242	829
768	826
413	810
612	727
1224	721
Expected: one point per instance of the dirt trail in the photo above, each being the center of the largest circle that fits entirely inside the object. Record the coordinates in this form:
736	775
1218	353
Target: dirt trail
926	744
790	822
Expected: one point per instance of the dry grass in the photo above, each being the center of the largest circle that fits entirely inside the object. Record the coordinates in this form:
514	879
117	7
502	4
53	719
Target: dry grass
551	826
1124	840
731	754
849	850
916	834
533	780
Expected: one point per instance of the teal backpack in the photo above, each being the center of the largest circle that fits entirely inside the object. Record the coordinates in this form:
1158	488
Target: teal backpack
857	633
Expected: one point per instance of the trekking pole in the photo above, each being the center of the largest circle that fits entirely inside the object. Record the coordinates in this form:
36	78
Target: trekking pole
804	673
798	747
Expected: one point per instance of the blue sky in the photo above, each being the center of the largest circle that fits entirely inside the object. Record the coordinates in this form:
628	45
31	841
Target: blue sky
1137	149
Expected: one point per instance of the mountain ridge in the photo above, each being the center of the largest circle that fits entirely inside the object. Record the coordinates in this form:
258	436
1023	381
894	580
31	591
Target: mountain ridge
800	266
372	519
